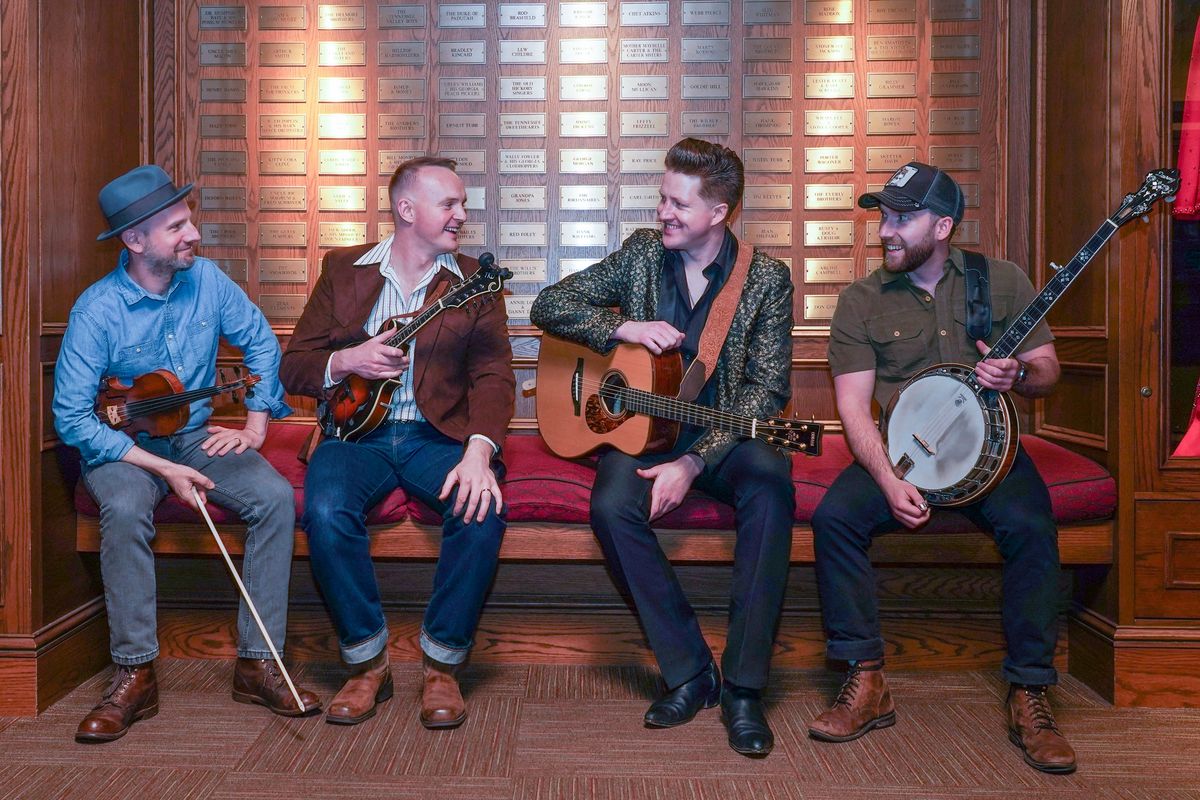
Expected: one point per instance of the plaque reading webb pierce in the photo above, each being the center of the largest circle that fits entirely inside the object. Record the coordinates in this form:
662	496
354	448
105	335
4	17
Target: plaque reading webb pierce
341	18
954	84
282	198
645	123
341	90
522	161
716	50
583	87
954	120
342	54
342	162
643	51
705	13
829	122
645	87
524	88
222	90
462	89
342	126
222	18
282	54
282	18
522	15
223	234
462	15
766	12
891	84
222	126
829	159
766	123
462	52
705	123
634	14
828	270
223	198
282	234
522	234
583	198
222	54
522	198
342	198
829	233
281	90
828	12
281	162
402	126
575	124
222	162
282	270
819	196
583	51
409	15
512	125
828	85
583	15
899	121
828	48
774	196
282	126
523	51
400	53
402	90
341	234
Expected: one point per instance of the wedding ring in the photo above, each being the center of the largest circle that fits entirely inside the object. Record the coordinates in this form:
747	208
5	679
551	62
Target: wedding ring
923	507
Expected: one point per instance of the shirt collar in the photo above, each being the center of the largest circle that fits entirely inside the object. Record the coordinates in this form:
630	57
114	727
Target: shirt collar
131	291
381	254
723	261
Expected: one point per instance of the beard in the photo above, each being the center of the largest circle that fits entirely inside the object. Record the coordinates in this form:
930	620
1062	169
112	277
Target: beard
914	255
166	267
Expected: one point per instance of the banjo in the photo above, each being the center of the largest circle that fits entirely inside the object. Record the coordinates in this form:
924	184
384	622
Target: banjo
954	439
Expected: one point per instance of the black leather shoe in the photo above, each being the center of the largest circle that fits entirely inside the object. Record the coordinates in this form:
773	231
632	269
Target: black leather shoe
742	713
681	703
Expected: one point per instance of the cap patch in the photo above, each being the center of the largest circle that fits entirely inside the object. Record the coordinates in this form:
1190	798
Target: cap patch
902	176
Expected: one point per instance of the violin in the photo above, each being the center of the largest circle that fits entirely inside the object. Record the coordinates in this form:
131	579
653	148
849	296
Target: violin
155	403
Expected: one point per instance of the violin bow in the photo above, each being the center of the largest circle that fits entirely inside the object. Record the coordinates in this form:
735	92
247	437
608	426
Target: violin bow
246	596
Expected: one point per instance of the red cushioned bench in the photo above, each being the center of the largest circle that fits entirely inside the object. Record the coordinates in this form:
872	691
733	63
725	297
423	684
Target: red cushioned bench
547	499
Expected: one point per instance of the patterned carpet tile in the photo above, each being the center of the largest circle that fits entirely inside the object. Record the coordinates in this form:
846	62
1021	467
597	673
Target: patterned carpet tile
274	786
553	682
69	783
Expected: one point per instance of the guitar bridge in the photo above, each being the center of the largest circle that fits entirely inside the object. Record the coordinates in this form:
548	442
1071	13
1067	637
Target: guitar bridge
577	385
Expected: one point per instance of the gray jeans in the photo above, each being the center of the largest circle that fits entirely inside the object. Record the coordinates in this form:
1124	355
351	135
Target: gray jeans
245	484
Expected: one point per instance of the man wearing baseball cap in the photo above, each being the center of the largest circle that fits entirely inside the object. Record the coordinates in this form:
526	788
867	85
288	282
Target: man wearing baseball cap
165	308
910	314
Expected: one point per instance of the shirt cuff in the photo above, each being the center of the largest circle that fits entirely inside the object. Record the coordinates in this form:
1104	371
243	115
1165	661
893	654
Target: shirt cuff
495	447
329	372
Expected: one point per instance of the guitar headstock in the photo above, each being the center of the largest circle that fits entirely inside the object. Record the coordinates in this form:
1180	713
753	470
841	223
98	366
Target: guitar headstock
1159	184
799	435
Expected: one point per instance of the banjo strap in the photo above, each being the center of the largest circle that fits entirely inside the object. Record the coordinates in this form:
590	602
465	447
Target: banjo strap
978	295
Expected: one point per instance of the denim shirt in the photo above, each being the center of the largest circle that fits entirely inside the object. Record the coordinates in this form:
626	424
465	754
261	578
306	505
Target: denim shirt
119	329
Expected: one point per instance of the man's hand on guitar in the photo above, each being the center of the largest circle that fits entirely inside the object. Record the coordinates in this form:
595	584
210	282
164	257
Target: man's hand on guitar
671	482
907	503
372	359
477	486
655	336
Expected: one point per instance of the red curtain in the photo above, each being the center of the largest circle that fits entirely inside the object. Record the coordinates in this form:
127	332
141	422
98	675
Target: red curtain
1187	203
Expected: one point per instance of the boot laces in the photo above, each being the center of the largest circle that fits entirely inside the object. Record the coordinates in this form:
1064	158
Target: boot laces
1039	710
849	688
121	680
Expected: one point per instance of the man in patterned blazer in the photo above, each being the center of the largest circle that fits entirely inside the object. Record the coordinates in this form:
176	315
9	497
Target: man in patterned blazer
657	291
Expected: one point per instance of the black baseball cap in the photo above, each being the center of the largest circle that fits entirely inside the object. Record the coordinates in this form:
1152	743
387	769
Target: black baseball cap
916	186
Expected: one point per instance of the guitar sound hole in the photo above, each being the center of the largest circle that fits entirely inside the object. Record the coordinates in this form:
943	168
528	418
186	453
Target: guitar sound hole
612	394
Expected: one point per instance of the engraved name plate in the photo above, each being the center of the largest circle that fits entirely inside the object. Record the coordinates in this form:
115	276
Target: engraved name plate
574	161
767	159
819	306
627	227
282	306
643	51
522	234
705	13
766	123
522	198
774	196
645	87
583	234
282	54
474	125
401	90
643	160
383	202
472	234
283	270
705	87
341	234
517	306
768	234
828	12
583	198
635	198
522	124
476	198
828	48
882	11
531	88
522	15
644	123
523	51
282	126
222	126
402	126
763	49
222	162
574	124
889	159
891	84
341	90
462	89
222	90
716	50
222	18
525	269
342	54
829	196
569	266
583	87
767	86
400	53
583	15
341	18
282	198
235	268
281	90
223	234
952	47
342	198
829	159
829	122
462	52
583	51
828	85
390	159
954	120
704	123
873	233
766	12
462	15
828	270
952	10
829	233
281	162
223	198
282	234
522	161
971	194
954	84
408	15
469	162
222	54
342	126
891	48
967	232
891	121
954	157
282	18
634	14
342	162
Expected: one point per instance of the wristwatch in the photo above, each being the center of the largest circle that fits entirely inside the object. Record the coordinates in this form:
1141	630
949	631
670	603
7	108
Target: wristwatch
1022	374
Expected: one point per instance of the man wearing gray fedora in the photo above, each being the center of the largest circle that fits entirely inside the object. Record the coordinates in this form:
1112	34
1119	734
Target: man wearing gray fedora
165	308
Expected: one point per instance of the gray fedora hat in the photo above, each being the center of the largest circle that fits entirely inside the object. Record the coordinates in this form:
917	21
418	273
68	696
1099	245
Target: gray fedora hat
137	195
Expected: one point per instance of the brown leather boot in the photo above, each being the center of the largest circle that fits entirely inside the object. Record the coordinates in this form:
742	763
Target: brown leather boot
370	685
259	681
132	695
442	704
1031	727
863	704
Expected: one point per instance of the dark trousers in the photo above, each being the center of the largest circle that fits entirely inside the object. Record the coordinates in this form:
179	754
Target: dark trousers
756	480
1017	512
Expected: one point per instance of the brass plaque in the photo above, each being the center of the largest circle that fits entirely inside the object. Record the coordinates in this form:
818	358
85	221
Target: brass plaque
704	123
828	12
222	18
390	159
634	198
889	159
282	126
522	51
891	84
469	162
341	234
341	18
576	124
472	234
954	120
899	121
462	89
763	49
223	234
282	54
522	15
583	198
954	47
222	162
766	123
341	126
583	51
705	87
524	88
716	50
569	266
768	234
829	233
517	306
819	306
767	159
643	51
635	14
474	125
282	18
462	52
873	233
645	87
222	90
643	160
222	198
342	54
970	194
954	157
828	85
583	15
401	90
873	264
967	232
341	90
408	15
829	159
222	54
583	234
462	15
382	201
829	122
774	196
222	126
767	86
522	234
342	198
891	48
529	270
531	162
342	162
582	161
522	198
828	48
644	123
282	306
953	10
954	84
583	87
705	13
282	162
402	126
283	270
522	125
476	198
235	268
401	53
766	12
881	11
282	198
281	90
838	196
828	270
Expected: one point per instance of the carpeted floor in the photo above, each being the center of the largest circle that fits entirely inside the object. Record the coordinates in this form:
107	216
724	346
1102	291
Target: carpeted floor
551	732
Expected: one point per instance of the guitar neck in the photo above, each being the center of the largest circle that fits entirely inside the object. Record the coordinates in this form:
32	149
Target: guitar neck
655	405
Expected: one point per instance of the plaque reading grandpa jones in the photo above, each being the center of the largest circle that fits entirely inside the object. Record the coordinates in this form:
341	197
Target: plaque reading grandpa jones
583	51
889	159
643	160
462	89
281	90
820	306
282	54
341	90
342	198
341	234
574	124
282	18
829	196
644	87
634	14
474	125
767	159
222	54
525	269
828	270
283	270
522	125
401	90
704	123
469	162
341	18
706	50
880	11
891	48
891	121
828	48
829	122
583	15
644	123
759	49
462	15
402	16
582	161
891	84
954	120
282	198
282	234
522	15
767	86
583	87
766	12
705	87
399	53
223	234
522	234
583	234
583	198
828	85
705	13
523	51
281	162
635	198
223	198
828	12
342	162
342	126
829	233
235	268
342	54
222	90
462	52
403	126
766	123
223	126
222	18
222	162
531	88
954	84
522	161
829	159
768	234
643	51
950	47
775	196
522	198
282	126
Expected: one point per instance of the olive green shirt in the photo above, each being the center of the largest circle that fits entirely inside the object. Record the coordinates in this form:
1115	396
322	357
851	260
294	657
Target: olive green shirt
887	323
